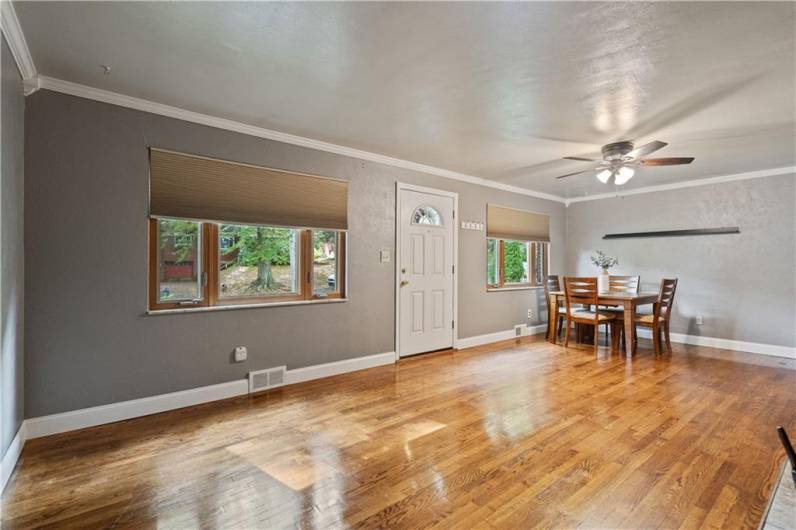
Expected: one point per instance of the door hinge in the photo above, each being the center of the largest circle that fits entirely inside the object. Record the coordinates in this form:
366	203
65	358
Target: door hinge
454	214
453	269
453	324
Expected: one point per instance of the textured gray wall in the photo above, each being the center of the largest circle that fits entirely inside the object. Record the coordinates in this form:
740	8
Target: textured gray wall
743	285
88	341
11	249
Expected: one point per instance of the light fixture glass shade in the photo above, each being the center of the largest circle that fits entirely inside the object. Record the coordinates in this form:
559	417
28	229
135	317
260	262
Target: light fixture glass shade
604	175
623	175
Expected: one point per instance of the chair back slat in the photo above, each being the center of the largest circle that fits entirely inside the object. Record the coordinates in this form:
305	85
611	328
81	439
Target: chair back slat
580	291
551	283
623	284
666	298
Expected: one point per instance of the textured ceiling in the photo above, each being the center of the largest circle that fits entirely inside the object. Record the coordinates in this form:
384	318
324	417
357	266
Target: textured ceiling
496	90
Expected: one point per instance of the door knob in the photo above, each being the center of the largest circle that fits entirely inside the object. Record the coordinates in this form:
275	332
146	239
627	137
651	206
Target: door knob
404	282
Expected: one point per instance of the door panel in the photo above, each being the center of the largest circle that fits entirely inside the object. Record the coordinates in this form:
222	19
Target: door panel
425	272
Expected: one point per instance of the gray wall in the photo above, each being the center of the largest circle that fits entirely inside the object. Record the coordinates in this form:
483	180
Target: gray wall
742	285
12	121
88	341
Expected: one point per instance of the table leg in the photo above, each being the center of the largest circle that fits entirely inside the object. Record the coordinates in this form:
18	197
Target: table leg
552	319
630	327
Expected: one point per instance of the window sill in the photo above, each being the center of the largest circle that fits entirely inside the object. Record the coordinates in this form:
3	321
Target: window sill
243	306
518	288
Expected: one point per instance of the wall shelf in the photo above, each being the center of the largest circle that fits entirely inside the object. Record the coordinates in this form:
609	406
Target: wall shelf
677	233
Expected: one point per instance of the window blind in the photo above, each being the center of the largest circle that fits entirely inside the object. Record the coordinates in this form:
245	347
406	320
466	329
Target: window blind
520	225
195	187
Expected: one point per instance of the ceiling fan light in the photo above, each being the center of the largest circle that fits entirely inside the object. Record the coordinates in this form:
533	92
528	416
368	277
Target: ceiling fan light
624	174
604	175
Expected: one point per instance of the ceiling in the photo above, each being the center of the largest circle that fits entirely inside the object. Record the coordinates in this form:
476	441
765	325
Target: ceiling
499	91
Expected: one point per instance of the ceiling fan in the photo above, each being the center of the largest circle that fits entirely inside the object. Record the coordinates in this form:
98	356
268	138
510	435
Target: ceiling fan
621	158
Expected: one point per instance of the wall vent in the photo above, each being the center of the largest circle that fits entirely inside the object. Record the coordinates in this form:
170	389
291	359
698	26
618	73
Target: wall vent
268	378
520	330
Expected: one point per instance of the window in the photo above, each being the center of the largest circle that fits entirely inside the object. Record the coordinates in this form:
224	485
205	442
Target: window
426	215
325	274
257	261
179	267
512	263
276	235
202	264
517	247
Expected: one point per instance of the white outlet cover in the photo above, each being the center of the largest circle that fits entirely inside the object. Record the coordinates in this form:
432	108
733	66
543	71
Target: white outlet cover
241	353
384	256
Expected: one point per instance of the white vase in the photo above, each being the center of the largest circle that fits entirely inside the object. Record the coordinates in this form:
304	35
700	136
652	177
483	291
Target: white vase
603	281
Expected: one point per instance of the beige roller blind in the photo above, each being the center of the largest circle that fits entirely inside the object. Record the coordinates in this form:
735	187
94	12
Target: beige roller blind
509	223
195	187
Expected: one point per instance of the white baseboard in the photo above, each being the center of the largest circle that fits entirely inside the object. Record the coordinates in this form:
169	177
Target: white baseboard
319	371
12	456
479	340
727	344
124	410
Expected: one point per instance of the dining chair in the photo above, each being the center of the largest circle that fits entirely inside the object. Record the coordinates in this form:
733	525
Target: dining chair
661	315
583	291
621	284
552	283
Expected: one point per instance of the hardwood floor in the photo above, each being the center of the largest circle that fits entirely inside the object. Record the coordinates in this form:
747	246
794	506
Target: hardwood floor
511	435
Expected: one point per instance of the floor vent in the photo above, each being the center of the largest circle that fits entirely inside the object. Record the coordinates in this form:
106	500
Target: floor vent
268	378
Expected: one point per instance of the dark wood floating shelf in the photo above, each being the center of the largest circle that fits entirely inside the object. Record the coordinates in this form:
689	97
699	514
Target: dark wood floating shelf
677	233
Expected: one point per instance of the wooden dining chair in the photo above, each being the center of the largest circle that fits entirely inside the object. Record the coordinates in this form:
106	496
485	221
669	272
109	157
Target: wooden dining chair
552	283
659	320
583	291
621	284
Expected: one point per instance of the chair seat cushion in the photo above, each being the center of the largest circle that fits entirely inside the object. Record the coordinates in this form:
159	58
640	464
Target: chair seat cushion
591	315
647	319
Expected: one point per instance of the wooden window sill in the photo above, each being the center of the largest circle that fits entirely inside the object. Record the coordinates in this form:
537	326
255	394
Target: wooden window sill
155	312
513	288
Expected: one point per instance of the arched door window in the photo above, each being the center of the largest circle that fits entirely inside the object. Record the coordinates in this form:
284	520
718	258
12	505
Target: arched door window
426	215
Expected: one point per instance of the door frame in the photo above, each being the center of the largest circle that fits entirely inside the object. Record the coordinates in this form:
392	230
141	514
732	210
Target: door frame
400	186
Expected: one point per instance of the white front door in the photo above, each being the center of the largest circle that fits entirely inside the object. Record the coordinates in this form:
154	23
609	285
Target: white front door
425	272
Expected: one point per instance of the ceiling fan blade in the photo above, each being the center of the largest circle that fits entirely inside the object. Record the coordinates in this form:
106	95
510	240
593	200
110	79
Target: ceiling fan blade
666	161
646	149
579	158
572	174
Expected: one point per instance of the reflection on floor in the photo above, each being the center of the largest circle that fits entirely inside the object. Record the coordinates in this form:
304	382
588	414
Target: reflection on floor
510	435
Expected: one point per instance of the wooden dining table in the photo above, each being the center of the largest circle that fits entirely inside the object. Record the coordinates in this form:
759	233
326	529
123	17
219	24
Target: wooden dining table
628	301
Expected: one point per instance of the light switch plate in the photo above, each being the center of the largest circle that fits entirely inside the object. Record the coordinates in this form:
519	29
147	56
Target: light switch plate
384	256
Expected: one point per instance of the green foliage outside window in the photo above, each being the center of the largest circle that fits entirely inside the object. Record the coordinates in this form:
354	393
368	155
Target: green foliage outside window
261	247
516	258
180	236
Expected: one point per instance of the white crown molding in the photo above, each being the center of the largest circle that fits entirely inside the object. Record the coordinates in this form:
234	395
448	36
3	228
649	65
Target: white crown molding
19	47
688	184
114	98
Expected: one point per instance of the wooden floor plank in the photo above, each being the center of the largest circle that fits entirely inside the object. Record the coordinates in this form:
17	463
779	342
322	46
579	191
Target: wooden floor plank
517	434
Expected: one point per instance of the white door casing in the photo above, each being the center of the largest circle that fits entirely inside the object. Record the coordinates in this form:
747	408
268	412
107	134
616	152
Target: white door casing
425	270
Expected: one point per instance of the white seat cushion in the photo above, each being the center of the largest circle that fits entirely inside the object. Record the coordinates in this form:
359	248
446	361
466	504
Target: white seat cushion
591	315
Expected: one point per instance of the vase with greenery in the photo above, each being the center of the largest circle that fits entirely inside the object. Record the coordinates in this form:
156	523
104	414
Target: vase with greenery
605	263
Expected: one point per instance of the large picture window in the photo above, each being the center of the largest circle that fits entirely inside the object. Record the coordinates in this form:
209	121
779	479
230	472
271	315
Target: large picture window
277	236
203	264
